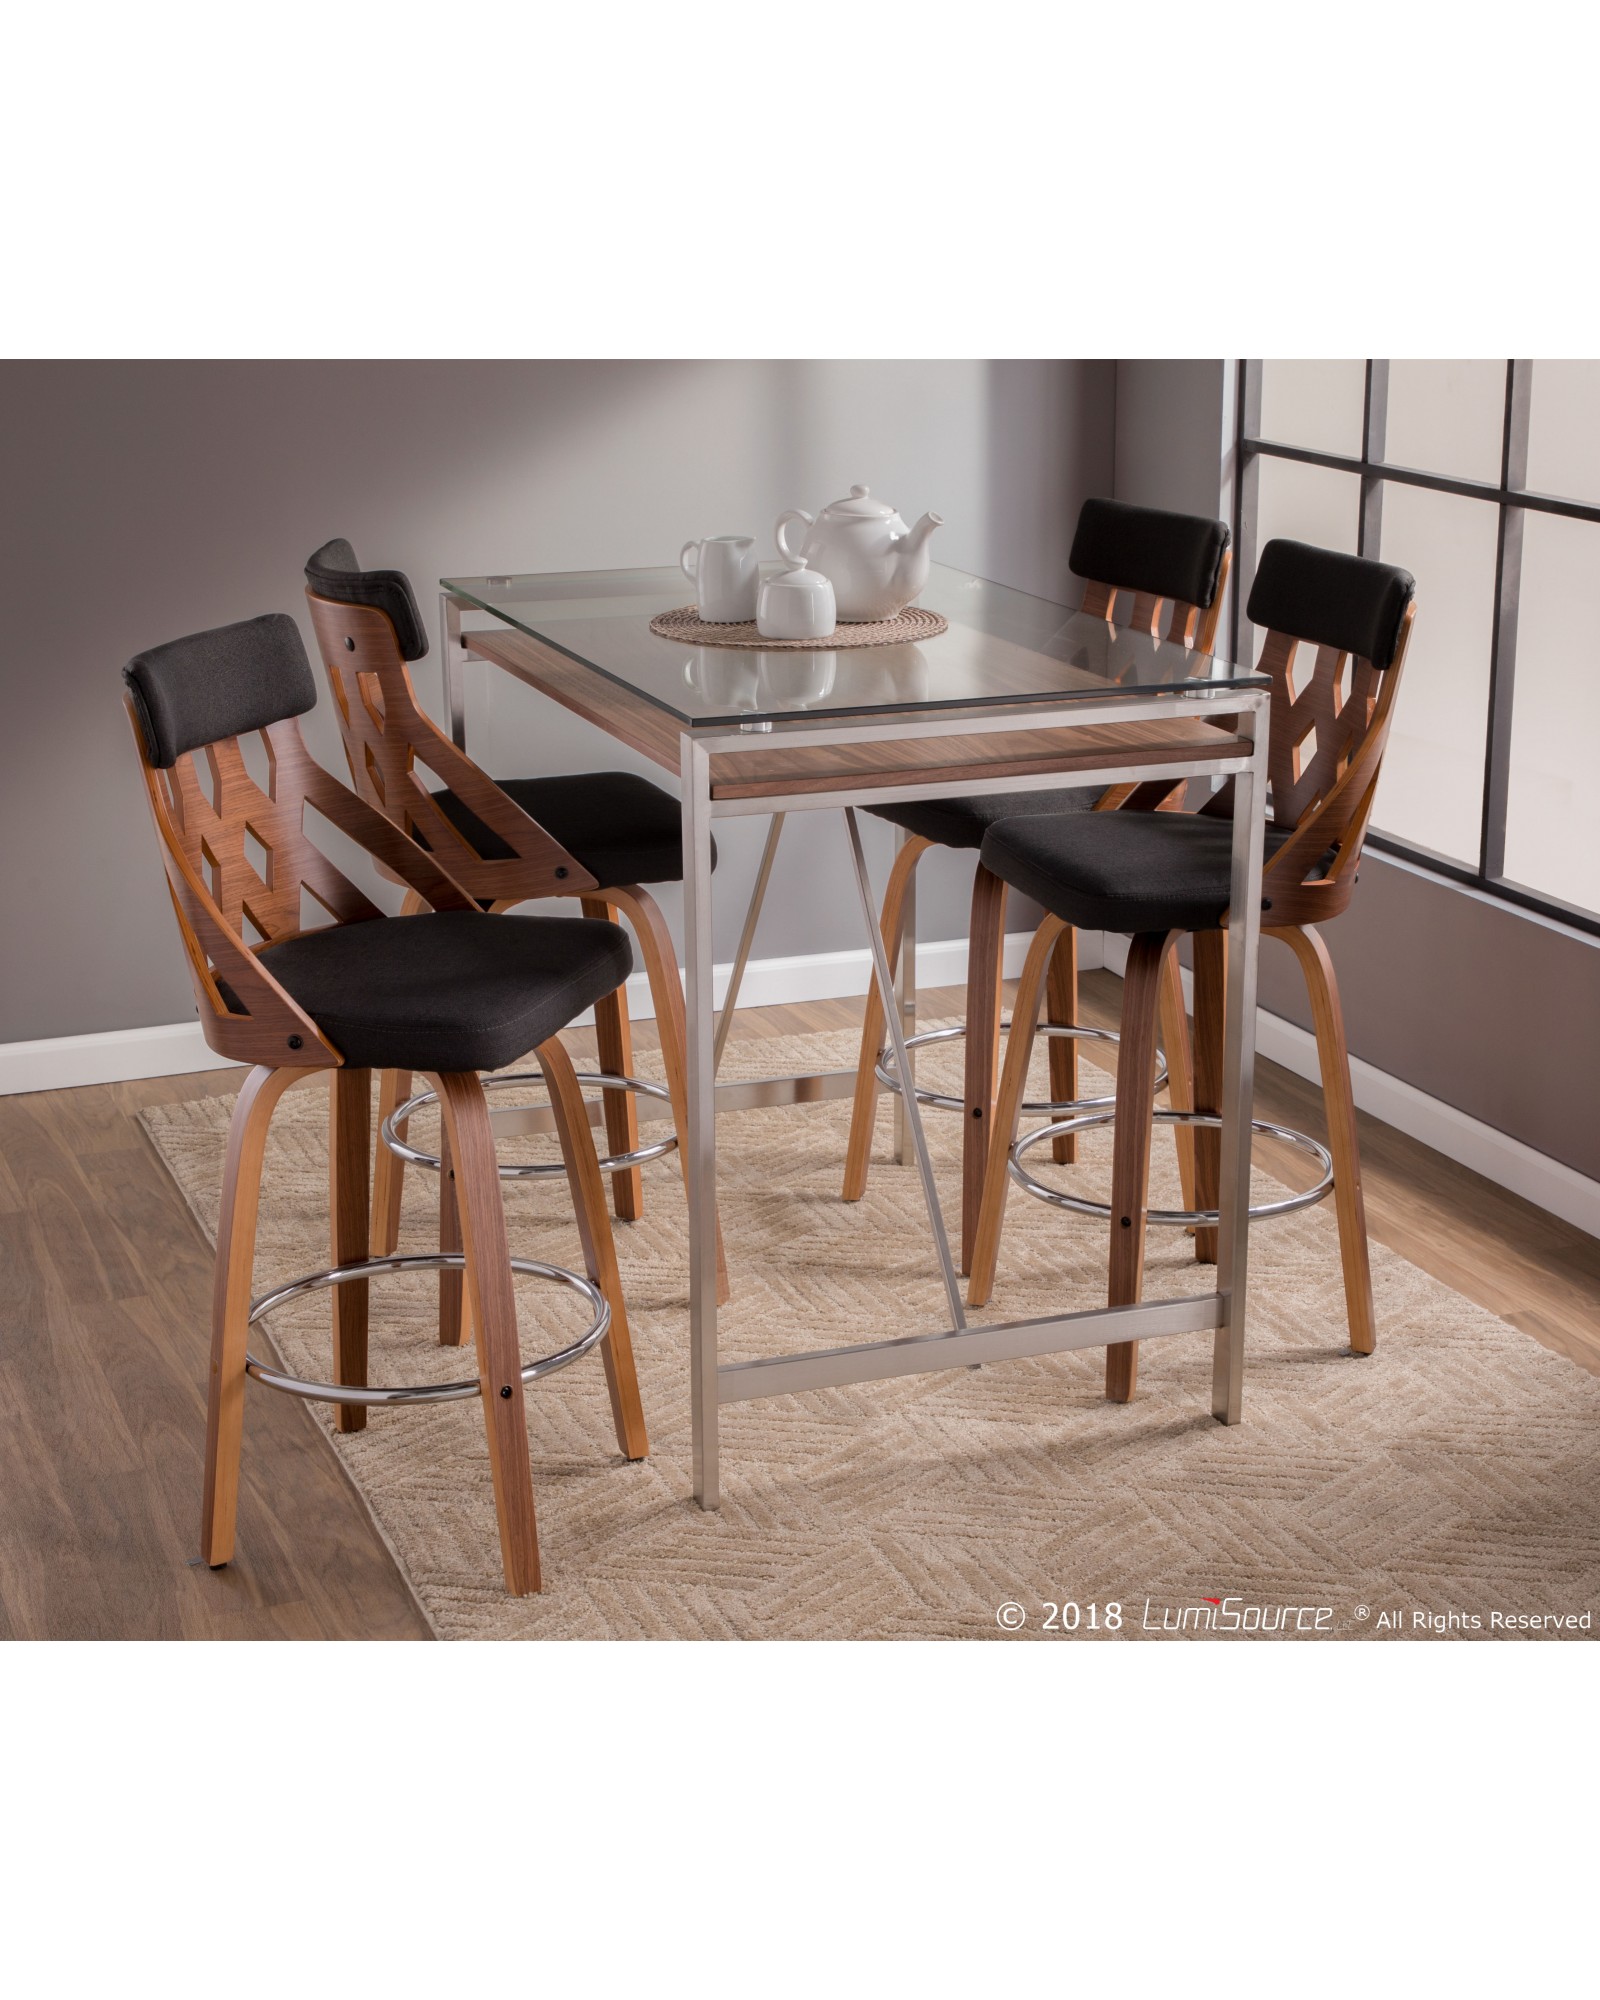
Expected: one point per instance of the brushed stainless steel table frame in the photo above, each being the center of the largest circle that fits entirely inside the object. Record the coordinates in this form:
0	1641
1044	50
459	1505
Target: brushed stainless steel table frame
1221	1310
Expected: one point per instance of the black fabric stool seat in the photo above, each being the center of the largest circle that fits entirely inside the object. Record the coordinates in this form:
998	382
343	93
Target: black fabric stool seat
614	823
451	989
964	822
1122	871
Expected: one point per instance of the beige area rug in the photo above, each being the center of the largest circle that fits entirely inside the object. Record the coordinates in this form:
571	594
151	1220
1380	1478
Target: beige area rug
1452	1477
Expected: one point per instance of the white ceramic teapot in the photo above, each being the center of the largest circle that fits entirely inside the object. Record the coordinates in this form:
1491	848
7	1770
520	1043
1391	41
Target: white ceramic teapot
876	564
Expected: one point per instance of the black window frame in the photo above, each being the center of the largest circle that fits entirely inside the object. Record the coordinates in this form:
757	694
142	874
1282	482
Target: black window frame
1513	503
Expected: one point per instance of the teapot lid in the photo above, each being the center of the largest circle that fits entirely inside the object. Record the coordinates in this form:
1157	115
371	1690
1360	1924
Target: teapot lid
859	507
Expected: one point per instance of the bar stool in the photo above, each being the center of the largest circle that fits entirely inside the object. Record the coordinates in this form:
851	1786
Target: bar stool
449	993
596	835
1156	875
1153	567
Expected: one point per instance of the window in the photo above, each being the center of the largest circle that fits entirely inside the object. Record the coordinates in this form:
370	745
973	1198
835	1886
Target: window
1483	479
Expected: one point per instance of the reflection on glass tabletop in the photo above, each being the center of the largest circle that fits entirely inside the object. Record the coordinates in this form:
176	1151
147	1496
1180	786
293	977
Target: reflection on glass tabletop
1002	647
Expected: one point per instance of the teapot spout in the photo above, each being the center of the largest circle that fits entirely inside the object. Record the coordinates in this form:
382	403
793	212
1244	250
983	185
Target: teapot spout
917	539
910	559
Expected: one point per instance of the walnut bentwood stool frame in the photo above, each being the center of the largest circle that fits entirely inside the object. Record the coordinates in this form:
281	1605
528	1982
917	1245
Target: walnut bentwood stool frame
1156	876
450	993
506	843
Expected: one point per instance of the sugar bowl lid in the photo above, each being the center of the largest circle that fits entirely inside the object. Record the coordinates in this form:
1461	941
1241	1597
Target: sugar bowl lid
799	577
859	507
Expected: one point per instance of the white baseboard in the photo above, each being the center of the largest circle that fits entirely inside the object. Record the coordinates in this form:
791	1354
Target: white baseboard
1549	1184
68	1061
63	1062
842	975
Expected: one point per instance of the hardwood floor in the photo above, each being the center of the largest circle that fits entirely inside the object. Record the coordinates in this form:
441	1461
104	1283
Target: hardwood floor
107	1290
102	1411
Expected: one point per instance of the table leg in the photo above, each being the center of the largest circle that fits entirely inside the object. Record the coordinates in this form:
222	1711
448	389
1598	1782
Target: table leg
700	1157
1238	1071
453	667
747	937
892	1019
905	997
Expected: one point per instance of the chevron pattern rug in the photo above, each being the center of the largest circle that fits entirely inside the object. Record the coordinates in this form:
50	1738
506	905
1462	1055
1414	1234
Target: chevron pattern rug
1452	1477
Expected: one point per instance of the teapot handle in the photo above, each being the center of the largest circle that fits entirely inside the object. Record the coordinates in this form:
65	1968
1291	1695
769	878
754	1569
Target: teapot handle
794	514
690	570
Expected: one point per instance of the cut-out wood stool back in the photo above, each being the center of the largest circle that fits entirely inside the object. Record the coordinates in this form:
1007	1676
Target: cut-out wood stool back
241	868
502	855
1329	723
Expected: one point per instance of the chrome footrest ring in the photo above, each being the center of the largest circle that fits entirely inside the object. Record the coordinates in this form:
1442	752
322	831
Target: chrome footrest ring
1174	1218
426	1392
598	1079
1045	1108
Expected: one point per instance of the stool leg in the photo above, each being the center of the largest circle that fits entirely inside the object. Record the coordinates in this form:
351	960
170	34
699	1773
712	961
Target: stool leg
230	1306
452	1284
666	989
388	1170
599	1247
1061	1011
1210	995
1008	1108
985	953
614	1039
1130	1164
864	1111
494	1317
1180	1069
453	1328
349	1209
1333	1059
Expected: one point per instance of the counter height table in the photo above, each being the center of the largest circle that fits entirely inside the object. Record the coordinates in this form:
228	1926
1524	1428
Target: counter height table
1018	694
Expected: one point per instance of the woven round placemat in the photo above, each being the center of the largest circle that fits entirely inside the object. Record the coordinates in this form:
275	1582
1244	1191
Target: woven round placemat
687	624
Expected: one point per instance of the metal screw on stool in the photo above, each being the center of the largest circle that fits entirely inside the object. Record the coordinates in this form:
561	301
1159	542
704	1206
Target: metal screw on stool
295	1042
506	1393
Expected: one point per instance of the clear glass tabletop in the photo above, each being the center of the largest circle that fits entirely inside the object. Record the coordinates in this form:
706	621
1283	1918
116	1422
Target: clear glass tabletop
1002	648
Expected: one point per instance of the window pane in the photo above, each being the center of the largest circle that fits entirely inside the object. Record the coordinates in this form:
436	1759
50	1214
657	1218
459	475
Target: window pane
1431	790
1315	404
1553	804
1308	503
1564	430
1447	416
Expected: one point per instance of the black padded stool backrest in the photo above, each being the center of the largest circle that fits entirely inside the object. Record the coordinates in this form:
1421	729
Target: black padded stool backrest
227	682
1151	551
1351	603
334	572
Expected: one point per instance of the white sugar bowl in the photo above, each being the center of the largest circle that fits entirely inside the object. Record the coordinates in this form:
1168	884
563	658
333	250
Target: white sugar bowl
798	603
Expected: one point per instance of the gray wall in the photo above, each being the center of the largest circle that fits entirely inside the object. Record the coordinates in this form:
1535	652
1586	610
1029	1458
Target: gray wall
1468	999
144	500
